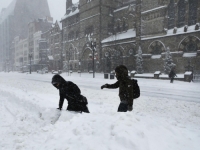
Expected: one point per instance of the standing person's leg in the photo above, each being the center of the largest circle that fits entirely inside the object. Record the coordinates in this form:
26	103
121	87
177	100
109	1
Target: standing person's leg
130	106
123	106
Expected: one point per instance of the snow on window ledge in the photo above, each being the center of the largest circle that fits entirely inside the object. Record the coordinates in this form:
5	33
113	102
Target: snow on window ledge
133	72
155	56
188	73
157	72
189	54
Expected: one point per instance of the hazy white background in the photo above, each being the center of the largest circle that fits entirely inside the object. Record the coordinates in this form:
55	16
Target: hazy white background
57	7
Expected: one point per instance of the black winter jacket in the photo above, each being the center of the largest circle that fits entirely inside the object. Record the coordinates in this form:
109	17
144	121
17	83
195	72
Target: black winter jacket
125	89
67	89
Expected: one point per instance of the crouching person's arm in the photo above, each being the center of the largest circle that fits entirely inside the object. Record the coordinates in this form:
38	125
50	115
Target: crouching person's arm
61	102
111	86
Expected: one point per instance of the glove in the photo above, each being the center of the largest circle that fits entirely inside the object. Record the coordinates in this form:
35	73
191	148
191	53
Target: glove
130	108
104	86
59	108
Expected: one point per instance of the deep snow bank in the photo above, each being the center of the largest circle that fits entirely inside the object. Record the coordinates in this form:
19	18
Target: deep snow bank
30	120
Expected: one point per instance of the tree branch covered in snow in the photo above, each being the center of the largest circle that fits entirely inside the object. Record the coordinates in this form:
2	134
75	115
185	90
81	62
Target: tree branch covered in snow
168	61
139	61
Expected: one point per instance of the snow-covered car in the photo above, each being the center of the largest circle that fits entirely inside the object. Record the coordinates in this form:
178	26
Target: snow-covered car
56	71
44	70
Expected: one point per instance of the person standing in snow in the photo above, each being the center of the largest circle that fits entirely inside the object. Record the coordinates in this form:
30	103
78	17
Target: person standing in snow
172	75
70	91
125	86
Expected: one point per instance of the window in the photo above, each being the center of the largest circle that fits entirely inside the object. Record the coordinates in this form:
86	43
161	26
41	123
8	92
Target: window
65	37
77	18
124	25
156	48
193	5
110	28
77	34
89	1
181	13
171	15
89	31
71	35
190	44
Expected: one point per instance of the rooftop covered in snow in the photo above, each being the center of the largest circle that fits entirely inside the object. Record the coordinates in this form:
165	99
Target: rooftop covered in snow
120	36
190	29
71	11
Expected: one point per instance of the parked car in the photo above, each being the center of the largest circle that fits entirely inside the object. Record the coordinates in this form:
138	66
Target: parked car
56	71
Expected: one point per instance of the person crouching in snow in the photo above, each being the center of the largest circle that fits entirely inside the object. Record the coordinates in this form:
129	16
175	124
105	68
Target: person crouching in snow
70	91
125	86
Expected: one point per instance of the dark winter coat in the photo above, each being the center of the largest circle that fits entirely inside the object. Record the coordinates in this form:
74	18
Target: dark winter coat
125	89
124	84
172	74
67	89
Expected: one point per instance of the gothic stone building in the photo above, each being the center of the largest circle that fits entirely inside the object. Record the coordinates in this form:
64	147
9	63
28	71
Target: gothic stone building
120	27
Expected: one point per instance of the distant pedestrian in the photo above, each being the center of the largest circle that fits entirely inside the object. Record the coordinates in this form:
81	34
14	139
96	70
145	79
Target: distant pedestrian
70	91
172	75
125	85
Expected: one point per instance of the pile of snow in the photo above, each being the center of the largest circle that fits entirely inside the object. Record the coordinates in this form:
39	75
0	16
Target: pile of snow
166	116
189	54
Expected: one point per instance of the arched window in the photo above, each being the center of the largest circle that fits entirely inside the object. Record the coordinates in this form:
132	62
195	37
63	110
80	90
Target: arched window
193	5
171	15
181	13
71	35
156	48
189	44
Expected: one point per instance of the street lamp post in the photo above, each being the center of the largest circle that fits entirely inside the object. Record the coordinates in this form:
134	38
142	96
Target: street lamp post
79	63
69	61
93	47
30	56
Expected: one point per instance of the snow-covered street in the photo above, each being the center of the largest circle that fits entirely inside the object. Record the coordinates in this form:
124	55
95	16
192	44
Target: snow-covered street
165	117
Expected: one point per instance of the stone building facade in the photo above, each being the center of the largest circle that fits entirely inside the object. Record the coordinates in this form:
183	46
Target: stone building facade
21	53
53	38
169	23
178	29
83	22
35	30
120	27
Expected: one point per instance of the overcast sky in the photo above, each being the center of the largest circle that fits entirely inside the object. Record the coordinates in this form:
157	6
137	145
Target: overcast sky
57	7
